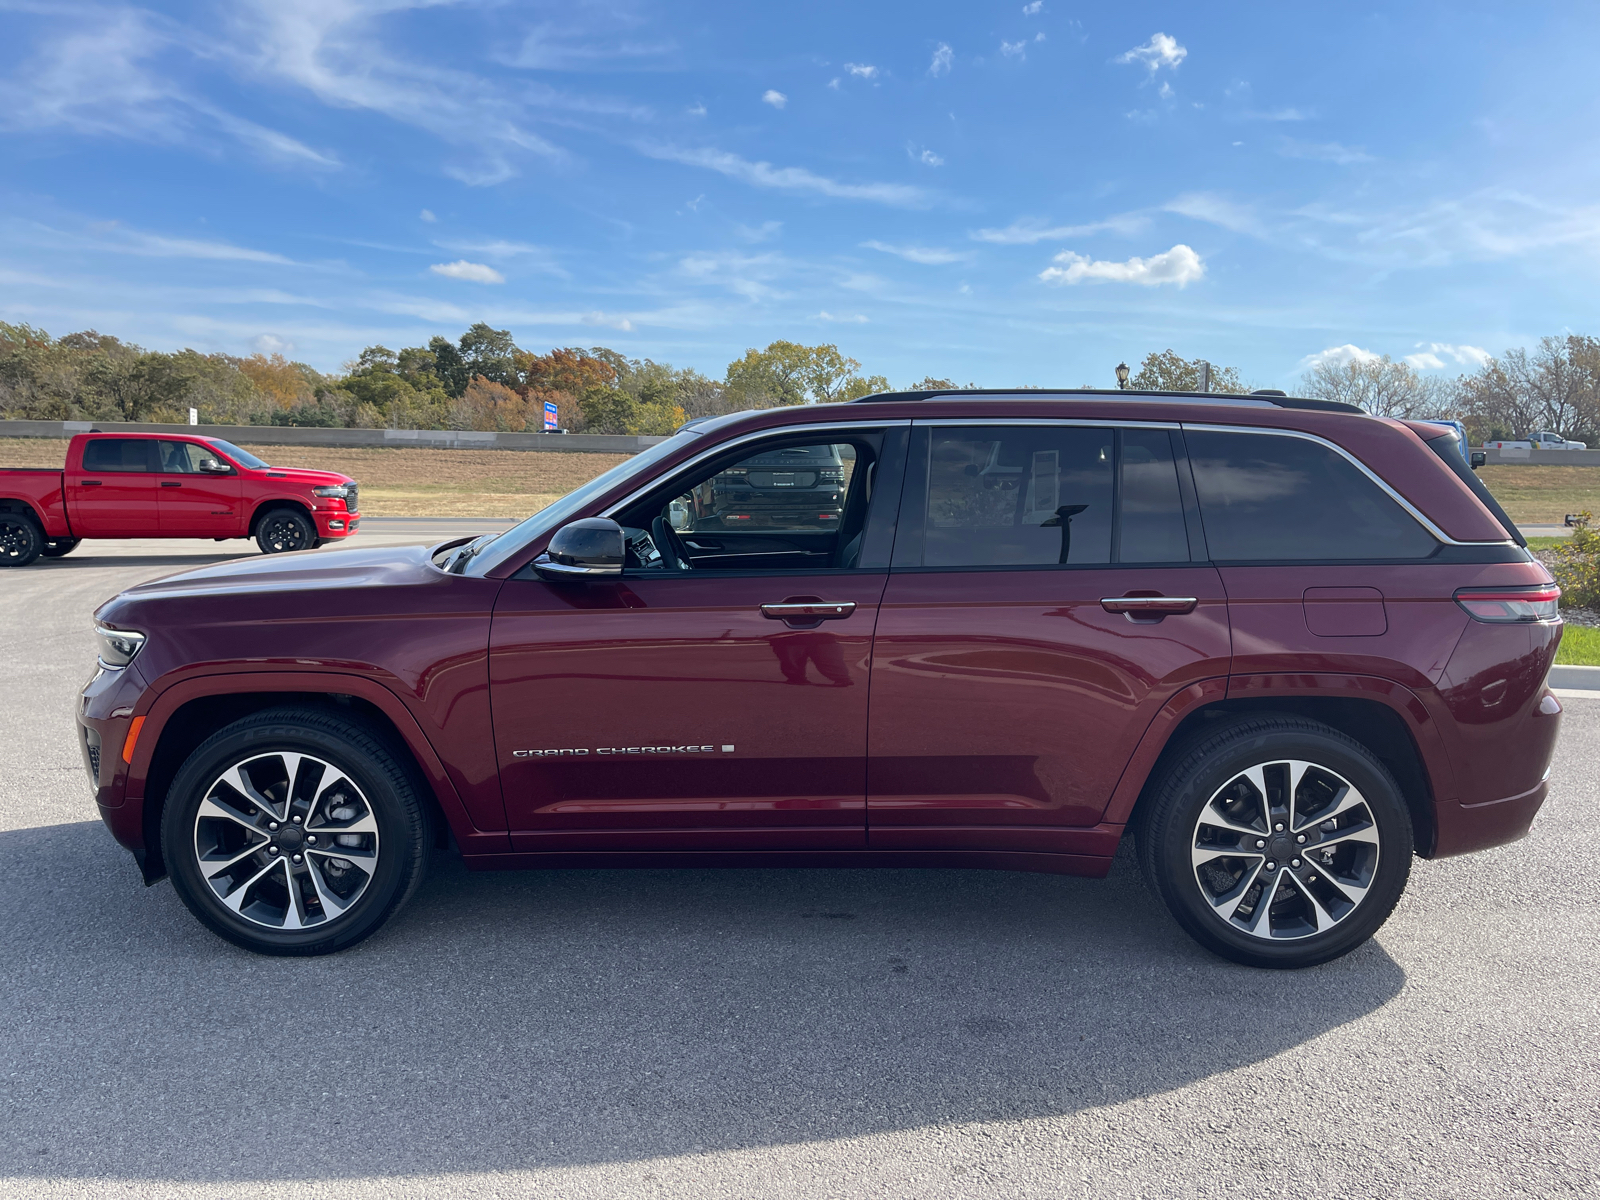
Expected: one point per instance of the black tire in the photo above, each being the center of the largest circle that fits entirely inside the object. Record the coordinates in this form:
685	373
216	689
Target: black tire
383	791
21	540
59	547
1201	804
283	530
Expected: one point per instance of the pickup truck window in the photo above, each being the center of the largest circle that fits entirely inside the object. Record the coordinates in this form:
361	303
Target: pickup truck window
184	458
243	457
117	456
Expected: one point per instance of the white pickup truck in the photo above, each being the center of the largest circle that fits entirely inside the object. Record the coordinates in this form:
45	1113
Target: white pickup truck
1542	440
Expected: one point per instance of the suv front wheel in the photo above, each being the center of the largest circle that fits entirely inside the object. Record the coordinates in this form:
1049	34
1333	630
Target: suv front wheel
294	831
1277	842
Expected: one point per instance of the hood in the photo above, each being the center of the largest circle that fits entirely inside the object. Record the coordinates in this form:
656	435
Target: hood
336	570
295	475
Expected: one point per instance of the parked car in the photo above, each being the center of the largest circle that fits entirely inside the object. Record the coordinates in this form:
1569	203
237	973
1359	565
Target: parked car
795	487
159	485
1543	440
1286	645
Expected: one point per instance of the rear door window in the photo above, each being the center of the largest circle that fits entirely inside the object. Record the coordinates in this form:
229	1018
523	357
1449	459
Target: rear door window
1275	498
117	455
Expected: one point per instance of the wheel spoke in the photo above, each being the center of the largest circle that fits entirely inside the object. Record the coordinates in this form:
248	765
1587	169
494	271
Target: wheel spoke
1359	833
1344	800
235	778
1230	903
235	898
1325	919
1297	773
332	905
212	867
1204	854
211	810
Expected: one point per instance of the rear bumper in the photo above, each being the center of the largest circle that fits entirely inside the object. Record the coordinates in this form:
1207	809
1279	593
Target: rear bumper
1464	828
334	524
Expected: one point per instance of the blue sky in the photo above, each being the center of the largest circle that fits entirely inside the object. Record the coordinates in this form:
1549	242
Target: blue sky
1008	193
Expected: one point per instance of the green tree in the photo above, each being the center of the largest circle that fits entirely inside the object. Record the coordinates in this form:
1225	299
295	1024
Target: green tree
1169	371
489	354
608	409
788	373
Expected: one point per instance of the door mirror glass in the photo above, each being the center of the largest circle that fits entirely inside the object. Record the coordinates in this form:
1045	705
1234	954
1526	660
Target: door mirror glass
592	548
211	466
678	513
1479	457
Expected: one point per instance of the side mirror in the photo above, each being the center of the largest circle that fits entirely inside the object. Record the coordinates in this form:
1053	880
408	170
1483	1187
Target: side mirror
1479	457
211	466
592	548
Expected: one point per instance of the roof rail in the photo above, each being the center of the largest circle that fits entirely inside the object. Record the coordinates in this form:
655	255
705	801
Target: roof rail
1262	397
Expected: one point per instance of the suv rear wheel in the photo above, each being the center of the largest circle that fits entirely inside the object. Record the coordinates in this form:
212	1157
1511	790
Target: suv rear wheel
294	831
1277	842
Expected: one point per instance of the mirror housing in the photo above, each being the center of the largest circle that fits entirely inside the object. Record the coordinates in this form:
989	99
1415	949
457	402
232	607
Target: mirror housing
1479	457
211	466
591	548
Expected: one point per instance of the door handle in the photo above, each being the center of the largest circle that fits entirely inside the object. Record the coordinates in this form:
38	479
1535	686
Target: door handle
90	483
164	483
808	610
1149	606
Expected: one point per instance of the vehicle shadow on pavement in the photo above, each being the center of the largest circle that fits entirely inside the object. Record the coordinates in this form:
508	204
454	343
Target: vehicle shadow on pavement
91	559
512	1021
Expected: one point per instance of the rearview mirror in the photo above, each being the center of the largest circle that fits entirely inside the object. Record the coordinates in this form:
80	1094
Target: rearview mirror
1479	457
592	548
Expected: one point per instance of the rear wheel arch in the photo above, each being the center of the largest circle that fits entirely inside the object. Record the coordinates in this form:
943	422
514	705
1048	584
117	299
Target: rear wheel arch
1371	722
21	508
197	719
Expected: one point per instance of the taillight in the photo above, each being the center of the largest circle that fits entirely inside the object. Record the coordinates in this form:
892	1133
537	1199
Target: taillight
1511	605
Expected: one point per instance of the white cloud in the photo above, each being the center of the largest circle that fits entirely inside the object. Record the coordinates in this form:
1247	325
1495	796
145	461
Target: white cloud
428	216
1216	210
1165	91
1323	152
862	70
931	256
1429	360
775	98
1160	51
1276	114
269	344
926	157
470	272
500	250
1033	8
1027	231
1014	49
760	233
854	318
943	56
790	179
835	83
697	109
1180	265
1338	355
746	275
1039	37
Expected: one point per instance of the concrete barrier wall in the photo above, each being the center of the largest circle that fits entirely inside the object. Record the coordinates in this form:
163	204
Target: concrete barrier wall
1563	458
284	435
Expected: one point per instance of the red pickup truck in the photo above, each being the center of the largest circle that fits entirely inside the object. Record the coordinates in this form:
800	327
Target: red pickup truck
127	485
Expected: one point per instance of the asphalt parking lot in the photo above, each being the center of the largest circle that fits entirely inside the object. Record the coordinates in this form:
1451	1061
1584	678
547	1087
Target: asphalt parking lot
766	1033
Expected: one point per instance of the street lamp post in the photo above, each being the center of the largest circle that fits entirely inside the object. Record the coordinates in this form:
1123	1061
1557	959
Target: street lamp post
1122	375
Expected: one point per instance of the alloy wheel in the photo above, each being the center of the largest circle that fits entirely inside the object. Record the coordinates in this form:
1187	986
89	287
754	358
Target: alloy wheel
1285	849
286	841
283	533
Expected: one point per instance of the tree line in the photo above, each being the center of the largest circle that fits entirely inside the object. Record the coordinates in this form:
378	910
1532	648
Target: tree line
484	381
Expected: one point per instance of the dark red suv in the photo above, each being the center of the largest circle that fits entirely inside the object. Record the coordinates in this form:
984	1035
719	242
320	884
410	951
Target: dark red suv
1287	644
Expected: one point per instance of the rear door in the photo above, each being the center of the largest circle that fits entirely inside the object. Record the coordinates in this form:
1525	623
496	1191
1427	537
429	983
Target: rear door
1048	596
114	494
718	707
196	503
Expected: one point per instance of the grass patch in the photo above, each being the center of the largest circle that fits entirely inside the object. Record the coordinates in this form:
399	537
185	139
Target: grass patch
1547	543
1580	646
1543	494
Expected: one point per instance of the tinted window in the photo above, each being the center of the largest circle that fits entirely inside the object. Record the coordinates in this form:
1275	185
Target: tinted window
1268	498
1151	505
104	455
1004	496
243	457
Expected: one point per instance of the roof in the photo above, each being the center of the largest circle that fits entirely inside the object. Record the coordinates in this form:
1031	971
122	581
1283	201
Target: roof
1263	398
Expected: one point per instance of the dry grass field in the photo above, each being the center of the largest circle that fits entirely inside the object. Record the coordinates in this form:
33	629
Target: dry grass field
407	482
513	483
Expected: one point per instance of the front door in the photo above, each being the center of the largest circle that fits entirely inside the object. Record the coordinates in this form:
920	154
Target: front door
1043	607
715	696
193	502
115	494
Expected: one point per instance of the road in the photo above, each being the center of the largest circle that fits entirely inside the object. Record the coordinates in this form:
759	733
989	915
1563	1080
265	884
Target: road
767	1033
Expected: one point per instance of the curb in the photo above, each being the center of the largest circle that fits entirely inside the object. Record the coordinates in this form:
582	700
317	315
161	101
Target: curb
1569	678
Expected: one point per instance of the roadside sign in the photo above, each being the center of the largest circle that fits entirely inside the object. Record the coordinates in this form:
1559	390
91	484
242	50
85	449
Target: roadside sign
550	421
194	416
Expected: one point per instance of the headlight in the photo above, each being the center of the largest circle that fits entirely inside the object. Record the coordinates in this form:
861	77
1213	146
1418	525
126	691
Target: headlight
337	491
118	646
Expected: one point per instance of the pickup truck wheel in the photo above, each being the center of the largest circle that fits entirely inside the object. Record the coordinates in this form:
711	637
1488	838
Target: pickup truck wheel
282	530
21	541
1277	842
59	547
294	832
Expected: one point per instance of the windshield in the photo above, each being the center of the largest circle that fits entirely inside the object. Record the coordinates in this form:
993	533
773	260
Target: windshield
550	517
243	457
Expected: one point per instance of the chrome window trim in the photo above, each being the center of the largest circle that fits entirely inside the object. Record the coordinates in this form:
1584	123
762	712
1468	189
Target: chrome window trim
780	431
1416	513
1131	423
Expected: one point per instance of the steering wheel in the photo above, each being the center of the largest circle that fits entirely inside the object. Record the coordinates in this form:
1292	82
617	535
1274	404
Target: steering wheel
668	543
